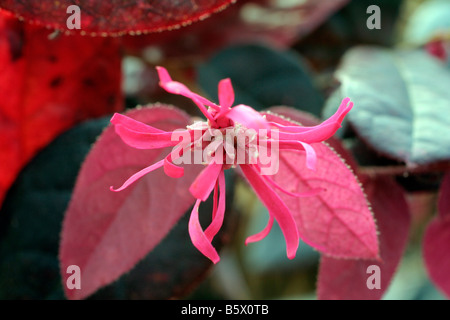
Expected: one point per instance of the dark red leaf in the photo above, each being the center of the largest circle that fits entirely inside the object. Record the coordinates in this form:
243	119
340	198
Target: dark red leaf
47	85
106	233
347	279
115	16
258	21
437	240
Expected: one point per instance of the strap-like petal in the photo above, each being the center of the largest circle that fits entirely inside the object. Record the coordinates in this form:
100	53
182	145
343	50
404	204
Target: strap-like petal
248	117
146	140
262	234
226	94
132	124
318	133
172	170
311	157
277	208
139	175
198	237
205	181
219	214
176	87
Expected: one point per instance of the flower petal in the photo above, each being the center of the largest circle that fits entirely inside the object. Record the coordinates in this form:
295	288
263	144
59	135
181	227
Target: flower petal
139	175
145	140
276	208
176	87
226	94
132	124
164	75
218	215
317	133
172	170
311	157
262	234
198	237
294	145
248	117
345	106
205	181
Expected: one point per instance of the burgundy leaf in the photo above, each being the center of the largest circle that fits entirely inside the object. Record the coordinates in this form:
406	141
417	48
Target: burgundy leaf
115	16
48	85
346	279
338	221
437	240
106	233
259	21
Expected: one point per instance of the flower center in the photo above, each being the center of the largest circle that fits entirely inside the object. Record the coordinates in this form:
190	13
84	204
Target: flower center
229	146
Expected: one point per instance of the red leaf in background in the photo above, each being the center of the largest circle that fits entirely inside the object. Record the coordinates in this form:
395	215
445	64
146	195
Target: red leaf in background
48	85
259	21
337	221
107	233
346	279
437	240
116	16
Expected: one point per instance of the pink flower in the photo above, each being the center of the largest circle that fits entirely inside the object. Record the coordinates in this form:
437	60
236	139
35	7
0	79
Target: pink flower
219	152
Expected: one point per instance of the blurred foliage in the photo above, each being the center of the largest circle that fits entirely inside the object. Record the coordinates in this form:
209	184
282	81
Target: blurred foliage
262	77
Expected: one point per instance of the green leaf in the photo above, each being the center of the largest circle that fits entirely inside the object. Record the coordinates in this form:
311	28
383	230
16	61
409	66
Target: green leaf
428	20
401	101
262	77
